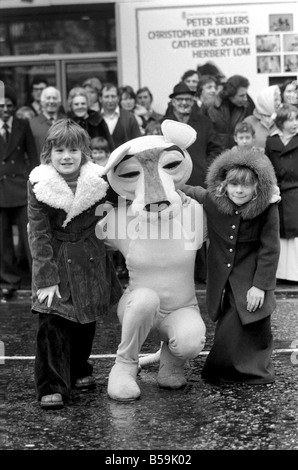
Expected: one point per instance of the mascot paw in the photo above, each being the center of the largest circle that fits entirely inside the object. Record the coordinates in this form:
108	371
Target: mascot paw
122	385
171	370
171	376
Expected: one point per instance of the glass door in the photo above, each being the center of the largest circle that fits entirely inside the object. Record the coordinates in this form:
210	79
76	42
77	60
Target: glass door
75	71
21	76
61	72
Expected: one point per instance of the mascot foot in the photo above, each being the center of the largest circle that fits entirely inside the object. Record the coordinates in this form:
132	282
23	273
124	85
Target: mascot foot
171	370
122	385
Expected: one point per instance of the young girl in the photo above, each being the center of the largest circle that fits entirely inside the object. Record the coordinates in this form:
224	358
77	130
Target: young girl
282	150
73	280
242	261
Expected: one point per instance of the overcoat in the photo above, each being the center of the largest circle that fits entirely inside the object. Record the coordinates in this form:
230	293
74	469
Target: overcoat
244	241
285	162
225	117
64	247
39	126
127	128
95	126
17	159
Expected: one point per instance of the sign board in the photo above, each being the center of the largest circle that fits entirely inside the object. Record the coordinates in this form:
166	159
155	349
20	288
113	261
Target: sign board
259	41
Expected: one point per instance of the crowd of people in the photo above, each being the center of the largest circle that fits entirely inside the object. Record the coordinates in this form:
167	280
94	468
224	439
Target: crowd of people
231	127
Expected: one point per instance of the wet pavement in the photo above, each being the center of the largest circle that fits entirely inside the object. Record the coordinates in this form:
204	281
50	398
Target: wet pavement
199	417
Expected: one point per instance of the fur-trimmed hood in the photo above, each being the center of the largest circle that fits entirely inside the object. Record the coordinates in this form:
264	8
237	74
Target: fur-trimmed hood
51	189
257	161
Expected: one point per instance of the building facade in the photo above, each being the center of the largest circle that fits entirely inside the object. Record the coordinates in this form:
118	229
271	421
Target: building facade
146	42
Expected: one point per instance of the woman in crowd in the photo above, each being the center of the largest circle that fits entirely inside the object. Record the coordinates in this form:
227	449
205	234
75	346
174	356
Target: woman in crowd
262	119
231	105
90	120
206	90
282	150
289	92
128	101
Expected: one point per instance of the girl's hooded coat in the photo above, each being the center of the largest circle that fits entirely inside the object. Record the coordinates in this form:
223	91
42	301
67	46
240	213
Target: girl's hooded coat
244	240
64	246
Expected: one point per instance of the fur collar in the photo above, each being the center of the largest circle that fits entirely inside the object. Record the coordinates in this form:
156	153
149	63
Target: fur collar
51	188
259	163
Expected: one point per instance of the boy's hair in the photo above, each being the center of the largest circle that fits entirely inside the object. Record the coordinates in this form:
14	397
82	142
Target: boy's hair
99	143
68	133
244	127
284	113
237	175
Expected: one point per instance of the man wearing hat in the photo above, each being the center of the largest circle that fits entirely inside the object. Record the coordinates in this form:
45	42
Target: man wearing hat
202	152
17	157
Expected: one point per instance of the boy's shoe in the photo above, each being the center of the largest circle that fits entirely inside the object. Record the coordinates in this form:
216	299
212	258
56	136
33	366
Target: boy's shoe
8	294
85	383
52	402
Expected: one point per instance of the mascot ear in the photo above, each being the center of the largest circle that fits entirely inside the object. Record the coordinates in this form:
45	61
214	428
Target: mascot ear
178	133
116	156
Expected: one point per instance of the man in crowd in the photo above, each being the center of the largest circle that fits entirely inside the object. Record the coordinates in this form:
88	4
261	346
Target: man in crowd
18	157
122	124
50	100
37	86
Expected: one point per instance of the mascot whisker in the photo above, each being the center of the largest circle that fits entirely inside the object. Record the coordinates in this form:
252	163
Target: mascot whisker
158	232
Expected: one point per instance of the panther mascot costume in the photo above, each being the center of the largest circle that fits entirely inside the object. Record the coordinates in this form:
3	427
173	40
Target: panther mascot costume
158	232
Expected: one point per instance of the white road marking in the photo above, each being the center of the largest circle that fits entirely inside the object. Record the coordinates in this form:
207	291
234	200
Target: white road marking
111	356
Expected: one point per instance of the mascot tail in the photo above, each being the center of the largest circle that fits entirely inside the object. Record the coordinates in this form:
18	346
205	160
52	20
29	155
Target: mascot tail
150	359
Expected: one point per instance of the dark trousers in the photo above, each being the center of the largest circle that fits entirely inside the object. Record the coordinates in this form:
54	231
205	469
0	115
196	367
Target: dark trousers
62	351
10	277
201	264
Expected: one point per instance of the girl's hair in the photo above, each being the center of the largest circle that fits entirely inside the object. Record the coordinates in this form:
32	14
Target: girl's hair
284	114
68	133
237	175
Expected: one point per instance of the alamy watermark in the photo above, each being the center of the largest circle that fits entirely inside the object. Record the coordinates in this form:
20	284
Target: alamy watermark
176	222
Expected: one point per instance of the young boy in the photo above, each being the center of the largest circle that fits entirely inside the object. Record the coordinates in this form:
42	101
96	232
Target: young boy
244	135
73	279
99	150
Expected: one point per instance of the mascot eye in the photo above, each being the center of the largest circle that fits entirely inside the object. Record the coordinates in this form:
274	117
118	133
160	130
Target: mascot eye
131	174
172	165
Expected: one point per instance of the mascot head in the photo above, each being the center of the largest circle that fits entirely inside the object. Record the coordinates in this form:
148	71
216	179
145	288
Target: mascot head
148	170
